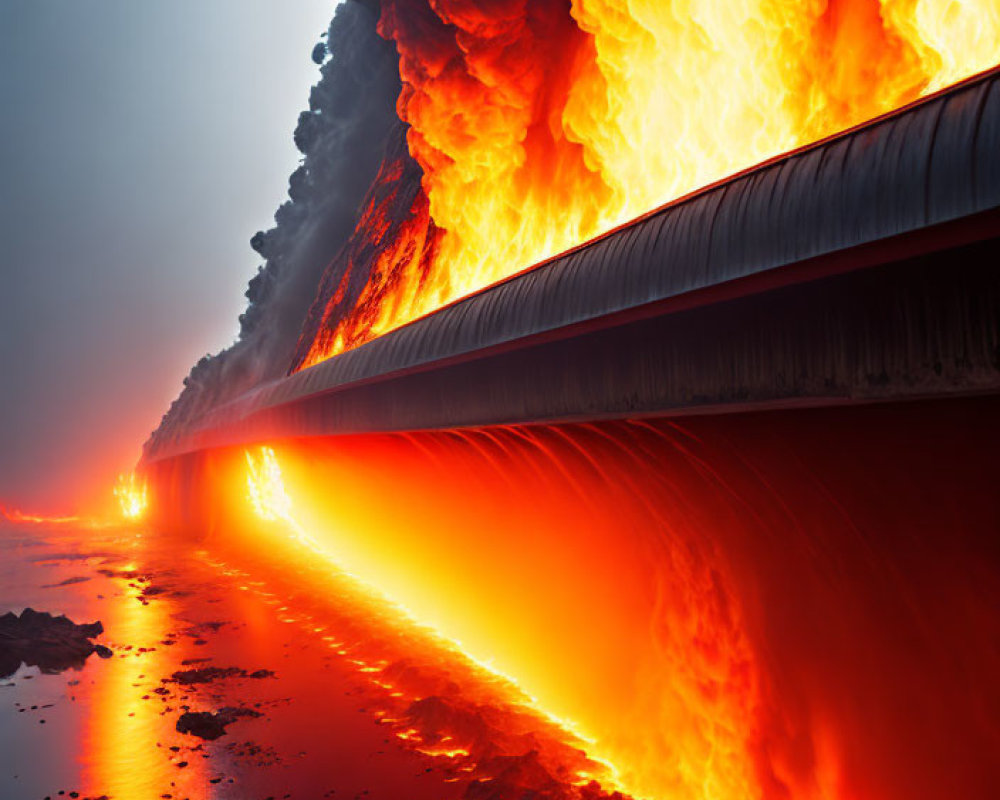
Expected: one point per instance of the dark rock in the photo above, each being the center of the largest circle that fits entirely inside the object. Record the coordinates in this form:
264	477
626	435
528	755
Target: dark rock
188	677
261	673
53	644
209	725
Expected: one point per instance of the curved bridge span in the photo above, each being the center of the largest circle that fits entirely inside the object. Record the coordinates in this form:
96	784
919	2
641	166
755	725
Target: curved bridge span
859	269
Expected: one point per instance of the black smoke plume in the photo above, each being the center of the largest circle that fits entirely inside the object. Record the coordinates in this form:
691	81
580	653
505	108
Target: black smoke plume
343	137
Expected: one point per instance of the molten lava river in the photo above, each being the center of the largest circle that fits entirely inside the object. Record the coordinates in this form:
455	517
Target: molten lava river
795	604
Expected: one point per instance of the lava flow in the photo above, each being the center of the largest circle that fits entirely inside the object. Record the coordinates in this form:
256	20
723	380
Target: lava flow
754	606
130	491
477	721
539	125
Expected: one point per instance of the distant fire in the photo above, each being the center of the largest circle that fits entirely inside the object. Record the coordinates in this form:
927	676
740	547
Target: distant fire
131	493
17	516
538	125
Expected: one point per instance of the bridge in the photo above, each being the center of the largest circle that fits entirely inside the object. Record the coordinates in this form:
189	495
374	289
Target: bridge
859	269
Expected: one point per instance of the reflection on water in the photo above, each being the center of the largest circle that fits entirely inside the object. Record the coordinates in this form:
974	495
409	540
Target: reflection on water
41	715
337	693
127	728
746	606
477	727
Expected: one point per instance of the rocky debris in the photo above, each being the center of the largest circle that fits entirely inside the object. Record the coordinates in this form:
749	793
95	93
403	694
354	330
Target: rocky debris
189	677
52	644
200	629
211	725
438	716
507	751
150	590
63	792
252	753
511	776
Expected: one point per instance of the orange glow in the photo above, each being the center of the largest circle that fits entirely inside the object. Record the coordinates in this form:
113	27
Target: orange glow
18	517
131	493
420	687
756	607
668	723
686	742
539	125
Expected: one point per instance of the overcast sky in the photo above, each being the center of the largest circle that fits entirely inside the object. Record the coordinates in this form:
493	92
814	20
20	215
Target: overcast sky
142	143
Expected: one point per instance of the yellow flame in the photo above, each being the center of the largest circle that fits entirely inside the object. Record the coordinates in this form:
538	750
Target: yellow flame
664	98
265	486
132	496
952	38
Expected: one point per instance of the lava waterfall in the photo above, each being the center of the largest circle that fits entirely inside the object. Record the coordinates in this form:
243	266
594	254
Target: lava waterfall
748	606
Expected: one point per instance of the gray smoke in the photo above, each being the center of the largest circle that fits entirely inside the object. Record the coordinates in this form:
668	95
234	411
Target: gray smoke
343	136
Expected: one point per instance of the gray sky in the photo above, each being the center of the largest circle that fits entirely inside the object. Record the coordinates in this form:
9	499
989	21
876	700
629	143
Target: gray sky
142	143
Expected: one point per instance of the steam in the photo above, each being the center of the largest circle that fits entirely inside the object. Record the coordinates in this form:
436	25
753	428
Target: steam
343	137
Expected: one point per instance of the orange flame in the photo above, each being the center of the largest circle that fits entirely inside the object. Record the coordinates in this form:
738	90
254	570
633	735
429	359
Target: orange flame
405	250
693	597
539	125
268	497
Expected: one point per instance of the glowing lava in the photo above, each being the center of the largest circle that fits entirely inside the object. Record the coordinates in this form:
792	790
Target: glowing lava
131	493
539	125
736	607
265	487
